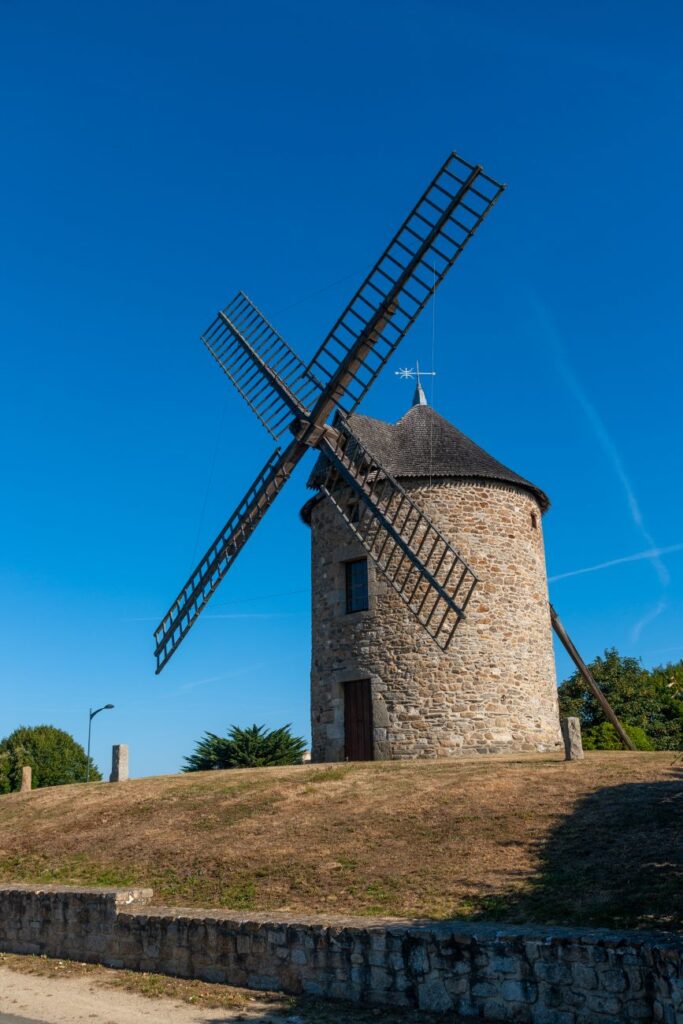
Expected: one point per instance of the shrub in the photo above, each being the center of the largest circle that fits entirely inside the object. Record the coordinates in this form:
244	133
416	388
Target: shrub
604	737
55	757
254	747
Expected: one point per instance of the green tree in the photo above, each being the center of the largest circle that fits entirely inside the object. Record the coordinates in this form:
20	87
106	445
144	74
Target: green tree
604	737
254	747
649	700
55	757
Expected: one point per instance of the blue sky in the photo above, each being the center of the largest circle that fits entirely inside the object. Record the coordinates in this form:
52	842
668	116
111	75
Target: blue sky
159	156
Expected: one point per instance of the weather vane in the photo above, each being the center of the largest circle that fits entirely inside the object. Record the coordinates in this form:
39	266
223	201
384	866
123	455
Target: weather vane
416	374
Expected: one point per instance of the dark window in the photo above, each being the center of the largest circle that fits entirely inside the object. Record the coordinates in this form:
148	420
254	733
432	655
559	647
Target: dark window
357	585
534	521
353	511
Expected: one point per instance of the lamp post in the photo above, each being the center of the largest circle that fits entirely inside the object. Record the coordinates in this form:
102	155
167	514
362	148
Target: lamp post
105	707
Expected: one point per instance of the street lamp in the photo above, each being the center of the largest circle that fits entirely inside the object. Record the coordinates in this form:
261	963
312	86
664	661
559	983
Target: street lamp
105	707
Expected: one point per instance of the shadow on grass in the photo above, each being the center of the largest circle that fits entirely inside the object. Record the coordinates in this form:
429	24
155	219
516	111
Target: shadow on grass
616	861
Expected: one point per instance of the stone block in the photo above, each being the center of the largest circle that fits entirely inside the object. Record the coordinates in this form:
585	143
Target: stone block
637	1009
636	980
380	979
506	965
26	778
519	991
614	981
572	999
604	1004
457	986
119	763
484	989
418	960
585	977
553	973
433	995
571	736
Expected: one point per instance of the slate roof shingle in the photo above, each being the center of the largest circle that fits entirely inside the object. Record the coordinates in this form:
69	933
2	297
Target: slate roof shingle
422	443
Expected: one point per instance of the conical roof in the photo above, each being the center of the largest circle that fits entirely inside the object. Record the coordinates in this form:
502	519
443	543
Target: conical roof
424	444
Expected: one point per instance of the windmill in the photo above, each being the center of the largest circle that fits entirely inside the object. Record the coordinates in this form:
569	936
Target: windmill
290	396
287	395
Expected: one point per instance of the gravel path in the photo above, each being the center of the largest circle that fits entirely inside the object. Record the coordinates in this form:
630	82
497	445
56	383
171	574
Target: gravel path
30	999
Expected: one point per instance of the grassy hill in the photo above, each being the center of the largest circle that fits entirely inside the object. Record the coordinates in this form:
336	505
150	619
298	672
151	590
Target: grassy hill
527	838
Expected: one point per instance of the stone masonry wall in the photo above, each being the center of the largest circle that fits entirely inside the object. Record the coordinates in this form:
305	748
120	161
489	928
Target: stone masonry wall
494	689
532	975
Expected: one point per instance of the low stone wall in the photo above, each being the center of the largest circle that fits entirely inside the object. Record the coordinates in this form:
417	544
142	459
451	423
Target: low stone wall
533	974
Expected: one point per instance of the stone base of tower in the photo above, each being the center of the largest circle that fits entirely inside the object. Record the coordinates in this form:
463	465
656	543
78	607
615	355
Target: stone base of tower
381	689
439	727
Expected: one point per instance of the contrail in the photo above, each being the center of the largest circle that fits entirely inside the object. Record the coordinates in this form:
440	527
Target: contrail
647	619
651	553
603	437
193	684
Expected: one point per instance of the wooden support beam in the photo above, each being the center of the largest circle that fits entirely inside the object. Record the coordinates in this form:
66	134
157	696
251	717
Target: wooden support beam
626	740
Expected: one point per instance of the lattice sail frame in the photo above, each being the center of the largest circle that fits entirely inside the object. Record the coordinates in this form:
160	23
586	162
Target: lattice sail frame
430	576
191	600
267	373
284	392
423	250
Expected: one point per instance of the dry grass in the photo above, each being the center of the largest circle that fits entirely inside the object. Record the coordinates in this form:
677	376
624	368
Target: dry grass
245	1004
526	838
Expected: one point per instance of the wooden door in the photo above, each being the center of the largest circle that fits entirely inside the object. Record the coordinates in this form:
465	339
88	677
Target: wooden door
358	720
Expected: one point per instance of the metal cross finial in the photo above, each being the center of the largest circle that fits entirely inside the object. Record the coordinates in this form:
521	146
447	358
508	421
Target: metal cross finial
419	398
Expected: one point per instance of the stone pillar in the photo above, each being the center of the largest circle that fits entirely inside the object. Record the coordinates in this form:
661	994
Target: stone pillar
26	782
119	762
571	734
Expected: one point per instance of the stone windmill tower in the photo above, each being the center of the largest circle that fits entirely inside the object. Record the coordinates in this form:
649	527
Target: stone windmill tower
432	627
380	688
431	533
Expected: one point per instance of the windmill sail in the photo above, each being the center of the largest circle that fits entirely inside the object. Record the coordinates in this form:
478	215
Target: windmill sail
268	374
283	392
427	572
399	285
186	608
